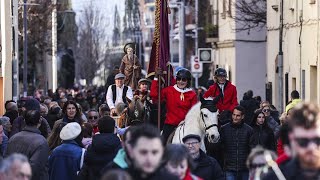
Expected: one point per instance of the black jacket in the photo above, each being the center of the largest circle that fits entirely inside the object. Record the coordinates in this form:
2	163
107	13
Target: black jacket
103	149
235	140
263	136
160	174
207	168
291	171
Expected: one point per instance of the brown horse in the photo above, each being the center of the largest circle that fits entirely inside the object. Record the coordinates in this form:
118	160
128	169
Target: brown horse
134	114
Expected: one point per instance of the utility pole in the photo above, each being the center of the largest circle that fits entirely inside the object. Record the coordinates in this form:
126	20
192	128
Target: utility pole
196	28
196	39
25	49
54	45
15	62
182	32
280	59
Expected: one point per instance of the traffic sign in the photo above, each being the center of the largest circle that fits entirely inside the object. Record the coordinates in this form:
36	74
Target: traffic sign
196	65
205	55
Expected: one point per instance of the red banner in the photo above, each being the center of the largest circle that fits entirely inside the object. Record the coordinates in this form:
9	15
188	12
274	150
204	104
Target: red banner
160	53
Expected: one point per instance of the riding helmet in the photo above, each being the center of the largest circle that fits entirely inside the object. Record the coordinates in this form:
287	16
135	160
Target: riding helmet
220	72
184	73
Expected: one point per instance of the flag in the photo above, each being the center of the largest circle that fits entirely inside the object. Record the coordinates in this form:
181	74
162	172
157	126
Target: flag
160	53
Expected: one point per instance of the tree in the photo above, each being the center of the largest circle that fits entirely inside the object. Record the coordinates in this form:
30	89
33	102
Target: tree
251	14
39	40
92	45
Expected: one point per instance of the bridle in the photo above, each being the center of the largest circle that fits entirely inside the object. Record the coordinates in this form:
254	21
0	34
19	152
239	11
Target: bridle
136	115
211	108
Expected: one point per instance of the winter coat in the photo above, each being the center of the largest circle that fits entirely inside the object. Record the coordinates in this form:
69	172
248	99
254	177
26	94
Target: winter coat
229	100
263	136
67	120
235	140
291	171
178	101
119	162
273	125
4	145
32	144
207	168
160	174
103	149
64	161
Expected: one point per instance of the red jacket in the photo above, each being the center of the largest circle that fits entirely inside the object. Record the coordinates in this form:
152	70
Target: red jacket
229	100
178	102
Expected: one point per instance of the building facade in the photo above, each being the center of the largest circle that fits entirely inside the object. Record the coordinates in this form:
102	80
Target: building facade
241	53
301	38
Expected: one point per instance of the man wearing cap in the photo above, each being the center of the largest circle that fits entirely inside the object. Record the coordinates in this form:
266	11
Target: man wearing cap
117	93
225	89
32	144
67	159
143	89
130	66
206	167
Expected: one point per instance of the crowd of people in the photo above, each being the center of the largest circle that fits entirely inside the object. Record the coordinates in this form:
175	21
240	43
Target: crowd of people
75	134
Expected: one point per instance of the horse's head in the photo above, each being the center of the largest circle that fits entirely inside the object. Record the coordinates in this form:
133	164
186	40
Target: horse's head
135	111
209	119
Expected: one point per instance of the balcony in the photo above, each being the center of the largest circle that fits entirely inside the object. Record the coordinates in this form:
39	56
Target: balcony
212	33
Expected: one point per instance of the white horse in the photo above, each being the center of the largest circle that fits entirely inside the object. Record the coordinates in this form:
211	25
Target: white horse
202	119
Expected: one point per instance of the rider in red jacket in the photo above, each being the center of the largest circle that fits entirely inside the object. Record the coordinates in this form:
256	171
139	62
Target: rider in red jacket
179	100
225	89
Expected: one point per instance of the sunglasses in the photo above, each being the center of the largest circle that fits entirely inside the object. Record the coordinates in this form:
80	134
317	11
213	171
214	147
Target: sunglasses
181	79
93	117
304	142
266	110
260	116
257	165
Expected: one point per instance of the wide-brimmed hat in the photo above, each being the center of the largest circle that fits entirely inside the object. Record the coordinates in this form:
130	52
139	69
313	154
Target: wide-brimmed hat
70	131
191	136
119	75
131	45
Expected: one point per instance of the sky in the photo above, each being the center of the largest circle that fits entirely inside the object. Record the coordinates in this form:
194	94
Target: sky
107	8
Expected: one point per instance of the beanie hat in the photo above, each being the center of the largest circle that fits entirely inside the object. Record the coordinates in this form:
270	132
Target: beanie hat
70	131
32	104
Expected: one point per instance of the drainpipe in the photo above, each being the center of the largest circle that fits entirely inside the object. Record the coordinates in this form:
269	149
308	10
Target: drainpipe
280	59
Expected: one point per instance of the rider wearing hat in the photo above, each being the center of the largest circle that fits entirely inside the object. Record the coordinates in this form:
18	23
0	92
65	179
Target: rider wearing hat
143	89
179	99
225	89
117	93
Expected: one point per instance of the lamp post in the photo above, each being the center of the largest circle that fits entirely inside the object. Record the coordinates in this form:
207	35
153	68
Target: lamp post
25	49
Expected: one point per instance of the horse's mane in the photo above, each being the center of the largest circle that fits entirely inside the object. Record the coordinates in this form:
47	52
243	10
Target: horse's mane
193	113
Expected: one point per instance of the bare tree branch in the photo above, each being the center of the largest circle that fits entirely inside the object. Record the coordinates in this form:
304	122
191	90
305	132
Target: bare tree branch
91	50
250	14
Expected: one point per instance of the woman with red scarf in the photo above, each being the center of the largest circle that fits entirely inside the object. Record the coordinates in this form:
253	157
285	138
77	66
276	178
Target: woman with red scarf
178	161
178	98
